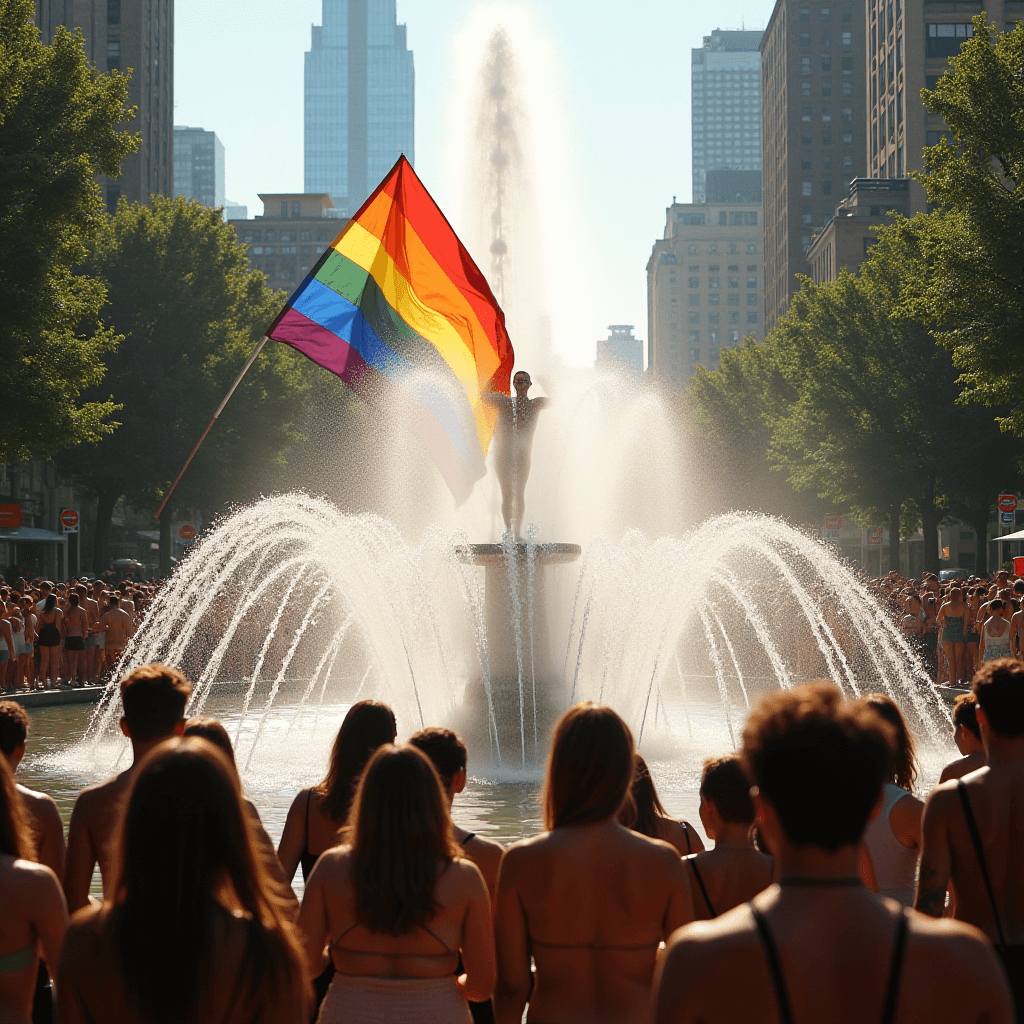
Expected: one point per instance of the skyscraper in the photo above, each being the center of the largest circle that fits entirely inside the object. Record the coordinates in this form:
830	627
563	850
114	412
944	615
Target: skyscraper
198	165
725	112
814	131
359	97
135	34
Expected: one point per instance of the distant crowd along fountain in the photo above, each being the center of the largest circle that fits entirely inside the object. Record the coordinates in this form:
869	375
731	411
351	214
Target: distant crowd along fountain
294	607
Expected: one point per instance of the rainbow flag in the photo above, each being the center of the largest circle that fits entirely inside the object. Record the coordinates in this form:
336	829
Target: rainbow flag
397	308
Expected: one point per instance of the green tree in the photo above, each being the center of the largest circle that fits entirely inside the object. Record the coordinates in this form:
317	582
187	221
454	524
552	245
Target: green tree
973	293
180	291
58	129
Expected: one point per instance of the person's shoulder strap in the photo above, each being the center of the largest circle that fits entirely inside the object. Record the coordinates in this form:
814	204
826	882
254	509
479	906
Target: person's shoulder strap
309	796
899	950
686	832
774	965
979	850
691	860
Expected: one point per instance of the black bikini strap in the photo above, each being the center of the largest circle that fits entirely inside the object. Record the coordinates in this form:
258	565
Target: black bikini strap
700	882
309	794
774	966
972	827
686	832
892	992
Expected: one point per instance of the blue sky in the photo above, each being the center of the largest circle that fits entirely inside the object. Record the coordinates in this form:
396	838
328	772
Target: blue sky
615	84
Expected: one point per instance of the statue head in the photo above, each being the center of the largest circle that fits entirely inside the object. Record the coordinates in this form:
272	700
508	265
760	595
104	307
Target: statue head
521	382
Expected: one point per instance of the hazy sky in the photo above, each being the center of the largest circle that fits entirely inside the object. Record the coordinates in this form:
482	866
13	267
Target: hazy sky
616	99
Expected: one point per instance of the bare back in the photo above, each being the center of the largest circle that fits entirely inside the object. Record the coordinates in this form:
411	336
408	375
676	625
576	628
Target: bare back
730	877
835	949
590	904
47	828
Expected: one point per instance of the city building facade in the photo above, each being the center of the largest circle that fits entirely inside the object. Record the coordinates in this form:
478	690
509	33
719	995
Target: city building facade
813	131
235	211
290	236
725	105
359	100
199	166
137	35
621	351
844	241
705	287
909	43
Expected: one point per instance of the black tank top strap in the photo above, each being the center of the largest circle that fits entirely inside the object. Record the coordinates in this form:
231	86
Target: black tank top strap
771	954
899	949
979	850
307	860
469	836
692	861
686	832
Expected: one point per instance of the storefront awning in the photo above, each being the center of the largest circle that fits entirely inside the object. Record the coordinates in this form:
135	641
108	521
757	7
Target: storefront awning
29	535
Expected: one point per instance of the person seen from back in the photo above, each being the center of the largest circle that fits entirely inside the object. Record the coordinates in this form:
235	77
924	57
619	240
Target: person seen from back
643	812
33	914
193	928
394	908
153	698
214	732
973	831
967	737
588	900
893	837
818	945
733	872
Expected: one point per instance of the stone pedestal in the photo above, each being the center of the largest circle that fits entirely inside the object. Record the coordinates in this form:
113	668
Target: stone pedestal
525	681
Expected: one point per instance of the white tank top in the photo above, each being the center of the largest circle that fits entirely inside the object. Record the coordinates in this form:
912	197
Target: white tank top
997	646
895	864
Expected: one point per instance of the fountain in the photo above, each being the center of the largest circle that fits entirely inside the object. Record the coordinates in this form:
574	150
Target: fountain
290	609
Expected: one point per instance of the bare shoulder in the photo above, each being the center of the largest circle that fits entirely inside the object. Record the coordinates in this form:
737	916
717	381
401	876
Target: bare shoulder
656	852
100	794
35	879
956	945
41	803
485	849
466	875
85	928
703	941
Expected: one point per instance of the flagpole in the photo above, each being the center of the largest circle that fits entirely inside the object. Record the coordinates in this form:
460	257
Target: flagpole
220	409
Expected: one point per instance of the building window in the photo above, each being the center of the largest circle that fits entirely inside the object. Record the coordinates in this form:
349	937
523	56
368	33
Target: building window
806	217
805	240
691	251
806	188
826	88
805	39
847	138
932	138
296	208
751	296
945	40
113	195
847	88
715	300
847	65
752	317
751	248
804	15
694	300
113	12
826	188
304	236
826	113
113	55
847	115
826	63
712	282
271	236
846	15
847	162
826	138
805	90
806	163
805	65
284	207
734	282
847	39
826	39
826	161
805	113
805	138
692	218
713	318
693	318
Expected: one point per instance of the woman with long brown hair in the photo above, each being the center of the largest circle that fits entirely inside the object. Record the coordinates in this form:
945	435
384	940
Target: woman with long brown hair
394	908
317	816
893	838
34	912
194	930
588	900
644	812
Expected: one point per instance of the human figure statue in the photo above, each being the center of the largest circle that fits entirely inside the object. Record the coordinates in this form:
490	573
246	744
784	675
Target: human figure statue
513	436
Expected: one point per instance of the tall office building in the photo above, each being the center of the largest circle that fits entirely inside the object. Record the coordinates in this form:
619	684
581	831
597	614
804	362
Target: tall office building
704	287
725	111
199	166
813	134
135	34
359	100
621	351
909	44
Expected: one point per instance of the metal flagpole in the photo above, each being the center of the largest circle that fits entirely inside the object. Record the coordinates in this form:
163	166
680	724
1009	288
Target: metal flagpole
220	409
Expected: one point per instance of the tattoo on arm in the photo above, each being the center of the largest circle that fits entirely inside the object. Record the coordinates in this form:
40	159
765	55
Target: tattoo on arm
931	895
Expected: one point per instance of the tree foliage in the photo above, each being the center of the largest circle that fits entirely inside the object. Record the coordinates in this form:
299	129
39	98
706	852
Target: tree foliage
180	291
59	123
973	244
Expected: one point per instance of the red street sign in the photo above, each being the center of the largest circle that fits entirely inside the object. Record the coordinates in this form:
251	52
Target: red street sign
69	518
10	516
1007	502
187	532
833	522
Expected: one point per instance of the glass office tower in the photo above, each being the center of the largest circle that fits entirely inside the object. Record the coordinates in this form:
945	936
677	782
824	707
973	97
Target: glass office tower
359	100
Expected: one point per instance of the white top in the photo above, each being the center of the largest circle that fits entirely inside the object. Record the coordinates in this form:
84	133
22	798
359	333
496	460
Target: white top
895	864
996	646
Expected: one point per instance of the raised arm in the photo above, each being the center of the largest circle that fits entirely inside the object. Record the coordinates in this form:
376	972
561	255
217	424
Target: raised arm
936	859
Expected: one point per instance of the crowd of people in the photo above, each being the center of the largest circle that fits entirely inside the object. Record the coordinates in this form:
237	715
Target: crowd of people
957	624
66	634
615	912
